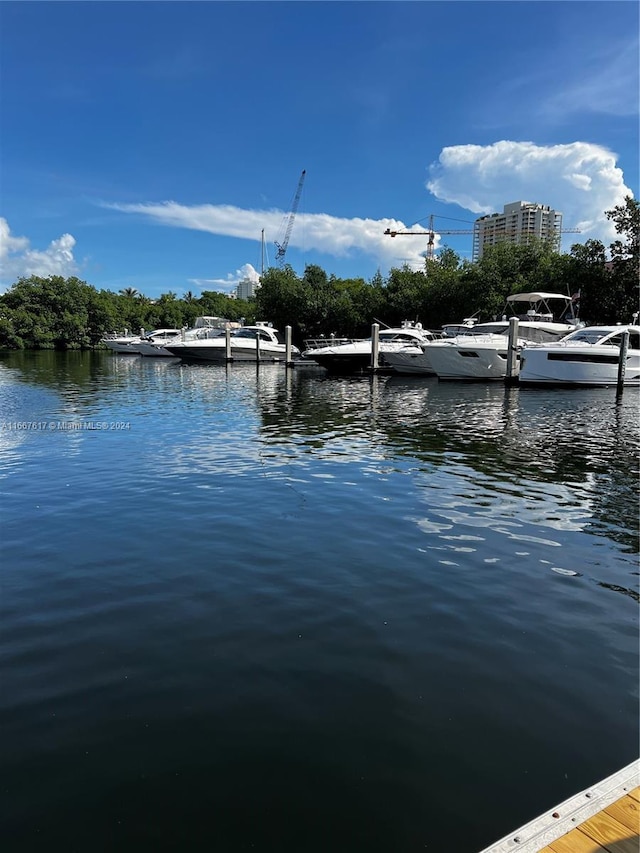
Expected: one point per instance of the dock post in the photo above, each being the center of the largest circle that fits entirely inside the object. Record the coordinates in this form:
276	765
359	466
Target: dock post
258	347
287	346
375	345
512	352
227	344
622	361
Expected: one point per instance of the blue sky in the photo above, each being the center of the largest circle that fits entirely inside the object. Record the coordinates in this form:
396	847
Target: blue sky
147	144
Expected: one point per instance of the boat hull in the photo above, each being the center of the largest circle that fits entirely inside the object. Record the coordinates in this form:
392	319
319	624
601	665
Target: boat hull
154	350
469	361
356	357
123	346
343	363
211	351
596	366
410	361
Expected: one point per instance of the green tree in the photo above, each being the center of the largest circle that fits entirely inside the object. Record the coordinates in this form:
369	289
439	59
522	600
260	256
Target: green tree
282	299
624	295
47	313
590	280
129	292
406	293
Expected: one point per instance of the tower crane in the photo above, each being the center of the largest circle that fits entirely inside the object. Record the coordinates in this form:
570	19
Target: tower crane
431	234
281	248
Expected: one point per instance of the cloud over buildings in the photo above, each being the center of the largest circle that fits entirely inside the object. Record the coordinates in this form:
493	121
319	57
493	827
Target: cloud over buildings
231	280
579	179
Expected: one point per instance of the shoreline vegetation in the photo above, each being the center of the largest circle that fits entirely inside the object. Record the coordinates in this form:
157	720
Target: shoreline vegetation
70	314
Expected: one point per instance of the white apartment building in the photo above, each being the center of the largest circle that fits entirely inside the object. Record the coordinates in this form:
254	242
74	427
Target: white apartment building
518	223
246	288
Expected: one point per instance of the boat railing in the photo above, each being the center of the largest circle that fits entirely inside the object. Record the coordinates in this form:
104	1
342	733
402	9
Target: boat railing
114	336
331	341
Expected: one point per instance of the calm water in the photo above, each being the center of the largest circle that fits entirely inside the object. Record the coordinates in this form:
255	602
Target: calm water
279	611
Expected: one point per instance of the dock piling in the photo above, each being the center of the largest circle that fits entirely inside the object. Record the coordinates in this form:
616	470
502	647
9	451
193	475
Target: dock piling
512	352
375	345
287	346
622	361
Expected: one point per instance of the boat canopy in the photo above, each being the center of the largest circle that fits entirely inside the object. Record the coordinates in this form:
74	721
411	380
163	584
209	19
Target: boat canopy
537	297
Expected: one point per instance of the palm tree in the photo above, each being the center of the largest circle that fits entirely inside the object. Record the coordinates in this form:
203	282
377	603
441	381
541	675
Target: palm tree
129	292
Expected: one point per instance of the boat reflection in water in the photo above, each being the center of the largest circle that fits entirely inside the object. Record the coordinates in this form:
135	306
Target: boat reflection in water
509	439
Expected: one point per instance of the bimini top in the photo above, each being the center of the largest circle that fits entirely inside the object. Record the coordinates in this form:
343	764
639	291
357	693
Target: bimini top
537	297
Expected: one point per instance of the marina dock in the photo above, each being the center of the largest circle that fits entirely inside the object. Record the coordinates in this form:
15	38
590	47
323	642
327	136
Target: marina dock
602	819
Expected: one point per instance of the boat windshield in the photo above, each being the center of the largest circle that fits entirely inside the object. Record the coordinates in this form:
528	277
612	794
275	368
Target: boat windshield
487	329
589	335
264	334
397	336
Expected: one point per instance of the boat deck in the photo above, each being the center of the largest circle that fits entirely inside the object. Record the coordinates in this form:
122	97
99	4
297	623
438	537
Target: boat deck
602	819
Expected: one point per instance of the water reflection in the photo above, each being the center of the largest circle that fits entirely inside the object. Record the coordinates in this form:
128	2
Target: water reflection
582	445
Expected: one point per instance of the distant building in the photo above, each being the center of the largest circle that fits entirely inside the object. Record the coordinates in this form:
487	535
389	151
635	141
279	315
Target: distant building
246	288
518	223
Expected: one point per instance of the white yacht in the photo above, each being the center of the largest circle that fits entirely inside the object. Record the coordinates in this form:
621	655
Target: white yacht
414	359
246	343
481	352
122	343
153	343
204	327
588	356
354	356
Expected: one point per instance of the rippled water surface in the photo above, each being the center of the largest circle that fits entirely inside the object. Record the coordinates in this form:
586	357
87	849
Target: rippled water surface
272	610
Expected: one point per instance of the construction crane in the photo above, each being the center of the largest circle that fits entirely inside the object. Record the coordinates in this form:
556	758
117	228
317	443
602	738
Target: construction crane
431	234
281	248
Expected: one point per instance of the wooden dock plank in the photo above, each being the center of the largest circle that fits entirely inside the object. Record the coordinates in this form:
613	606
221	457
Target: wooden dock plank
608	832
575	842
635	794
626	811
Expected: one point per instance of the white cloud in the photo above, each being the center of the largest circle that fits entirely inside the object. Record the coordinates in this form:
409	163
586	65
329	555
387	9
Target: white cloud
321	232
579	179
228	284
17	259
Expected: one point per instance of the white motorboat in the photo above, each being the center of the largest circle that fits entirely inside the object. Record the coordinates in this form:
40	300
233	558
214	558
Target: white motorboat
414	358
203	327
481	351
122	343
354	356
482	355
154	342
588	356
248	343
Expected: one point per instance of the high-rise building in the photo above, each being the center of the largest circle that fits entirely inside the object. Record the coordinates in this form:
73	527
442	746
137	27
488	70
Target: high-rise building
519	222
246	288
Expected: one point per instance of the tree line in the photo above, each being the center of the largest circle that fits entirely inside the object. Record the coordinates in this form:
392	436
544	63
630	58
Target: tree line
67	313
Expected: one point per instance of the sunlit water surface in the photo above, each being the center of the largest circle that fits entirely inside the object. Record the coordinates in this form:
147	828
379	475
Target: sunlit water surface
273	610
